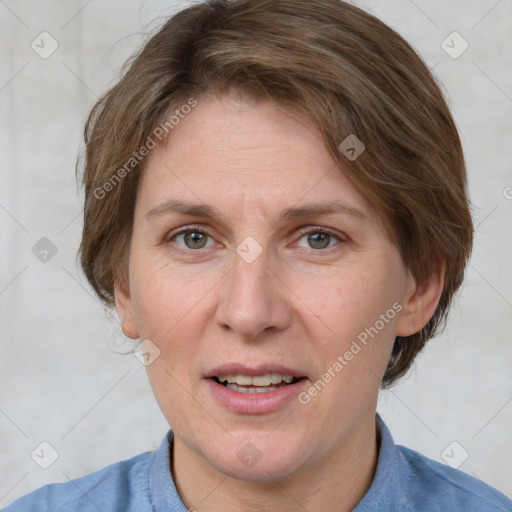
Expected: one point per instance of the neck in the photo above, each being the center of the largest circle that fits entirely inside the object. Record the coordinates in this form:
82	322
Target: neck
338	481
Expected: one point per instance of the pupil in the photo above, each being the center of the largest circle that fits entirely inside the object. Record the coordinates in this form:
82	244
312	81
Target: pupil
319	240
197	240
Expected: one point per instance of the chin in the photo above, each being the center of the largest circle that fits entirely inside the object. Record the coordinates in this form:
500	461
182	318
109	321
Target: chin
257	458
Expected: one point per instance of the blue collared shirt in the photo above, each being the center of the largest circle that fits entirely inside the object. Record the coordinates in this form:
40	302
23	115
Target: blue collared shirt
404	481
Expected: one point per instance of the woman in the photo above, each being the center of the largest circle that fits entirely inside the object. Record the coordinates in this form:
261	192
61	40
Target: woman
276	205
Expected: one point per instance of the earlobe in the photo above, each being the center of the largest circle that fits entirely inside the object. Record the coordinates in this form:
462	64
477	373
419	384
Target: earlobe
420	302
125	311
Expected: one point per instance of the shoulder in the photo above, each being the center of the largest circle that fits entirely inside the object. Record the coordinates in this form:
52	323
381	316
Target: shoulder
408	481
435	486
120	486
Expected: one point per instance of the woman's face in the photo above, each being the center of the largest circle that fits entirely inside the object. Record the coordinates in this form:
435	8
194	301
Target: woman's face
254	261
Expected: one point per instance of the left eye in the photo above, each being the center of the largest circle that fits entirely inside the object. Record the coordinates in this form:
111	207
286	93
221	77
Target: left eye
319	240
192	239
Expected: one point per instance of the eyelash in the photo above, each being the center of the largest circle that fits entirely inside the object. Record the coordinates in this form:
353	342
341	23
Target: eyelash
302	232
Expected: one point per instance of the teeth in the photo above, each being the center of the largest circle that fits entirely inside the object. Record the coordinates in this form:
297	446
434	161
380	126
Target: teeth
275	378
262	380
254	389
259	380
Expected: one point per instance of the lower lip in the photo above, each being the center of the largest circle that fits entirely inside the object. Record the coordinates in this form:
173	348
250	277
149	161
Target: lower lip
255	403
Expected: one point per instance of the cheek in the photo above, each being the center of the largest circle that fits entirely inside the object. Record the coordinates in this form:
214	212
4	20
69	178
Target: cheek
164	298
351	315
344	302
170	309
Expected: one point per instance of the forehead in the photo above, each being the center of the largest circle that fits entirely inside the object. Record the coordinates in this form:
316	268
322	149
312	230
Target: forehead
236	149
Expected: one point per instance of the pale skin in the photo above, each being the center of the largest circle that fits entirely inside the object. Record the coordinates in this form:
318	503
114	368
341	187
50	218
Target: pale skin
300	304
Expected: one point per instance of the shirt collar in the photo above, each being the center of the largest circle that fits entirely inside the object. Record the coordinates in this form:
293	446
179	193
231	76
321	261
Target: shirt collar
163	493
385	492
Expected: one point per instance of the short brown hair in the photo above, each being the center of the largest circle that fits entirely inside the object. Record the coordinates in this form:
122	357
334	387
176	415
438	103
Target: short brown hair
347	72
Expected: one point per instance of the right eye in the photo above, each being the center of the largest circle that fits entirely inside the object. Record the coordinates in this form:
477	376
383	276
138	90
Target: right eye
191	238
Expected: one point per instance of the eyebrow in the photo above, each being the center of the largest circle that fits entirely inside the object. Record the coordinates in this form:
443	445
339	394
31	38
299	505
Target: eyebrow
308	210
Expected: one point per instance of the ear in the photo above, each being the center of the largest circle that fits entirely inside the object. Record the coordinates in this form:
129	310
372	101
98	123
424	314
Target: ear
125	311
420	302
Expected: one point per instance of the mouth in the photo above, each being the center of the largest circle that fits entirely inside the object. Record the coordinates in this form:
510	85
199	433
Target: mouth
255	389
241	383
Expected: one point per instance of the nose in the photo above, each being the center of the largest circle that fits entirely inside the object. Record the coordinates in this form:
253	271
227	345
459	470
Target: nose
253	300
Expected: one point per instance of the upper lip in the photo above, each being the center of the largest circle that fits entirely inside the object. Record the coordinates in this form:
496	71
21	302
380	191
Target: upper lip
253	370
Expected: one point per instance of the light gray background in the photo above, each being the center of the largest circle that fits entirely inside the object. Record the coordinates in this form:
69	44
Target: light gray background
61	378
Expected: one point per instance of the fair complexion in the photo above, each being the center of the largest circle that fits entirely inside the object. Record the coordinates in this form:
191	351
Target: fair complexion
289	301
